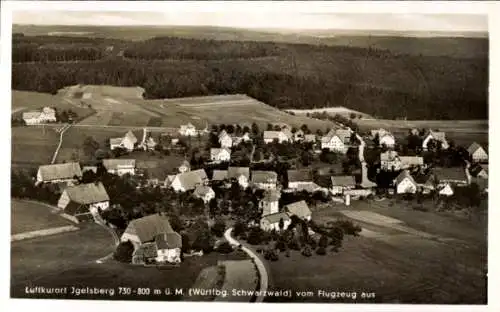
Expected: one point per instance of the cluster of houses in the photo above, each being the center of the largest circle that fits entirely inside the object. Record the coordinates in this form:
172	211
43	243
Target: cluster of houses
35	117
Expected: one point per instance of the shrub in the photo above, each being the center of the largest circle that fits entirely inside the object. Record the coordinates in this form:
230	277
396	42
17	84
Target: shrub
271	254
224	248
255	236
323	241
321	251
219	227
124	251
240	228
335	249
306	252
294	244
280	245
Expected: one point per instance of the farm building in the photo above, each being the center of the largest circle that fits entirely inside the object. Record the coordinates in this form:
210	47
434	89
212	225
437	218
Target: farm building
299	136
168	247
404	183
408	162
264	180
187	130
89	168
336	140
239	174
299	209
47	114
269	204
341	183
185	166
272	221
219	175
479	171
225	140
477	153
271	136
127	142
455	176
204	192
82	200
384	137
188	181
56	173
220	154
299	178
148	143
389	161
119	166
435	136
426	182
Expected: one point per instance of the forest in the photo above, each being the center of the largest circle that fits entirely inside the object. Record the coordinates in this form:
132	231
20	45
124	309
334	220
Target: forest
376	82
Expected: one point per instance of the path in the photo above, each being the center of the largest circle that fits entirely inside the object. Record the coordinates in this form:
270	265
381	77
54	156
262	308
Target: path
100	221
264	279
44	232
61	133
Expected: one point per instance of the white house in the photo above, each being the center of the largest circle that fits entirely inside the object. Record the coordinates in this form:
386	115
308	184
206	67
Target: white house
480	171
148	142
225	141
310	138
446	190
340	184
188	130
240	174
84	199
205	192
299	135
271	136
119	166
477	153
220	154
336	140
264	180
47	114
299	209
271	222
127	142
387	140
168	247
269	204
56	173
404	183
298	179
187	181
436	136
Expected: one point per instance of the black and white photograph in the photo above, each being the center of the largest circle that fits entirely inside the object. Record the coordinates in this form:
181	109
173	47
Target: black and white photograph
222	154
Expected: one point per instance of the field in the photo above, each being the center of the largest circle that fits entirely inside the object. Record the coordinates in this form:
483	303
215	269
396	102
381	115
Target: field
29	216
423	258
339	110
33	146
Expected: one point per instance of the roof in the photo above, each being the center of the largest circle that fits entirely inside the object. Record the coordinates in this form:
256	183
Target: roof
217	151
190	179
168	240
185	163
89	168
310	137
202	190
473	148
299	175
115	141
403	175
308	187
87	193
271	135
31	114
299	209
236	172
116	163
287	132
131	136
271	196
475	170
424	178
411	160
437	135
388	156
219	175
450	174
142	164
264	176
60	171
48	110
343	181
189	125
275	217
147	228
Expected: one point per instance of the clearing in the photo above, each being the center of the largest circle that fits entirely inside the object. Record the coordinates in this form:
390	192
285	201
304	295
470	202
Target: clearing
338	110
33	146
31	216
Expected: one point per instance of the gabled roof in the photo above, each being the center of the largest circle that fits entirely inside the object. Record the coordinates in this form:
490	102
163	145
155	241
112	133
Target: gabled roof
424	179
264	176
131	136
437	135
308	187
89	193
275	217
388	156
216	151
343	181
236	172
271	135
170	240
219	175
310	138
299	209
202	190
473	148
450	174
271	196
189	180
60	171
403	175
303	175
147	228
116	163
411	160
31	114
115	141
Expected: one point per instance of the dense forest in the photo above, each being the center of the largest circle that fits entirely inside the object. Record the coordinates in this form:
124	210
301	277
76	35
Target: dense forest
299	76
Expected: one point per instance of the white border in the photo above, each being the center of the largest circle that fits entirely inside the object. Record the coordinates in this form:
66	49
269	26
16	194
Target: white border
462	7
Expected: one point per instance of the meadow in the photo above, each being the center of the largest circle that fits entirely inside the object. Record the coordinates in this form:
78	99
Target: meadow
31	216
33	146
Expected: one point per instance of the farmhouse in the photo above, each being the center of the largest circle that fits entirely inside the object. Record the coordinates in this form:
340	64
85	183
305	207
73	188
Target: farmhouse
389	161
269	204
146	229
425	182
298	136
47	114
119	166
477	153
188	181
56	173
187	130
219	175
480	171
239	174
206	193
148	143
404	183
299	209
271	136
272	221
83	200
225	141
127	142
299	178
408	162
384	137
220	154
264	180
185	166
310	138
454	176
336	140
435	136
168	247
340	184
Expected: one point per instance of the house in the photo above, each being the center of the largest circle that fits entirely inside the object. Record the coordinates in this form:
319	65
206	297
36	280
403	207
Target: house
299	209
206	193
342	183
47	114
336	140
389	161
408	162
479	171
220	154
477	153
119	166
310	138
385	138
56	173
264	180
425	182
168	247
239	174
271	136
168	181
185	166
272	221
83	200
89	168
188	181
299	178
187	130
127	142
148	143
299	135
404	183
288	133
446	190
269	204
436	136
219	175
145	229
225	141
454	176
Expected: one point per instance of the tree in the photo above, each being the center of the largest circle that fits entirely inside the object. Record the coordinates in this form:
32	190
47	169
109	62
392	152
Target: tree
230	129
306	251
124	251
269	127
176	222
224	248
323	241
255	129
239	228
321	251
90	146
219	227
352	115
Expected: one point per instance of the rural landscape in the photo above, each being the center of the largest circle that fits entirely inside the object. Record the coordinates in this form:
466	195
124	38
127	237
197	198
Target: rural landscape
203	163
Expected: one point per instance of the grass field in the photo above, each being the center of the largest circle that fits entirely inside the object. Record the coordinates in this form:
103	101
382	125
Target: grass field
29	216
397	266
33	145
339	110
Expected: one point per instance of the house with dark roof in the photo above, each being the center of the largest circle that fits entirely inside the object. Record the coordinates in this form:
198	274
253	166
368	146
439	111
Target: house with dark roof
219	175
83	200
145	229
264	180
239	174
438	136
299	178
426	182
269	204
205	192
128	142
299	209
341	183
455	175
272	221
188	181
477	153
119	166
168	247
56	173
404	183
479	171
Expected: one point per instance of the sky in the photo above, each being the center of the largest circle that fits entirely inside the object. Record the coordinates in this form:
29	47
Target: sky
260	20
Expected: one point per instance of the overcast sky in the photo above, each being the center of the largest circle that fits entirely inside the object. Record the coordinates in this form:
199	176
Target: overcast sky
289	20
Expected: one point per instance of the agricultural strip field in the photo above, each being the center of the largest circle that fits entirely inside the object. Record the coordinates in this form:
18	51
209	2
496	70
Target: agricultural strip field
30	216
33	146
241	275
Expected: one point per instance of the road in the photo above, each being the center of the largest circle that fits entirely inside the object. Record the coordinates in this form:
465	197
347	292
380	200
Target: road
61	134
264	278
